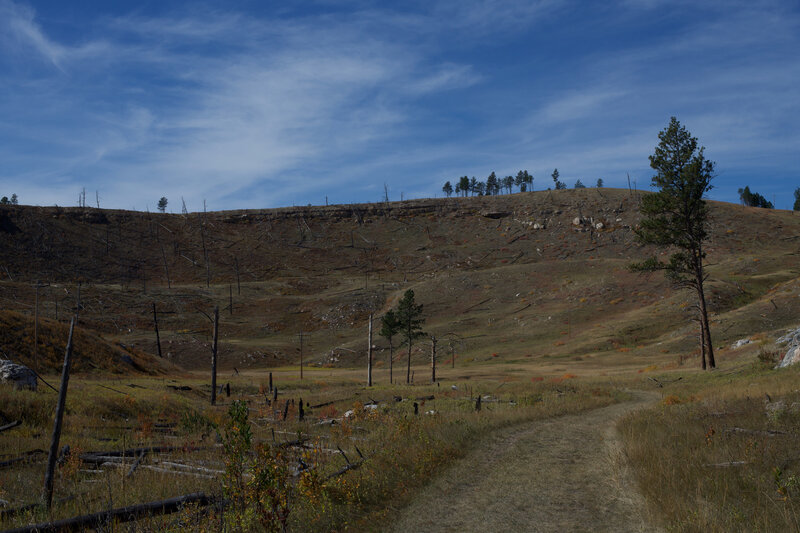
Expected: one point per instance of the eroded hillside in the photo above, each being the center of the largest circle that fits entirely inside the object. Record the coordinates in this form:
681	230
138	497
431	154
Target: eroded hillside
526	278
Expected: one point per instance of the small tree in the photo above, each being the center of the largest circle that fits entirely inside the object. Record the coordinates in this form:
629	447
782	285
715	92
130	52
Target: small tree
389	328
675	217
409	319
473	185
492	185
447	189
4	200
579	185
796	200
14	199
508	183
522	180
162	204
480	188
559	184
463	183
599	183
753	199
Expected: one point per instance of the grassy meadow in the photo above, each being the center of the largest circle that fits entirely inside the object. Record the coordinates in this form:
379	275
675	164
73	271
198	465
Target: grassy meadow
395	450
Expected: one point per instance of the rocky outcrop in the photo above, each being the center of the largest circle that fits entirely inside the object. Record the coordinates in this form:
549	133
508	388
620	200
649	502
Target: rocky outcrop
793	353
20	375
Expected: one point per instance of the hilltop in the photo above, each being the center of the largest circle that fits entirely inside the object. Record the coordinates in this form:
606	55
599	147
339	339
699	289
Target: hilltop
534	279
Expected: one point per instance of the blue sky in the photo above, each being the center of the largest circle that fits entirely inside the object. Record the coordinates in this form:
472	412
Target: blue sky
266	104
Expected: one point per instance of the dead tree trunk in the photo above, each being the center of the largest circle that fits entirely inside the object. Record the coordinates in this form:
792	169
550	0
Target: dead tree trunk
155	325
166	268
369	353
36	330
214	358
391	361
238	278
301	354
433	359
57	424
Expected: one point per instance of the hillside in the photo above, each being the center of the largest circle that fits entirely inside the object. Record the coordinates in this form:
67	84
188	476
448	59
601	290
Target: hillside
534	278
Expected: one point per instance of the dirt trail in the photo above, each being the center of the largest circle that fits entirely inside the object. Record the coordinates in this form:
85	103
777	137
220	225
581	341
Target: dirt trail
563	474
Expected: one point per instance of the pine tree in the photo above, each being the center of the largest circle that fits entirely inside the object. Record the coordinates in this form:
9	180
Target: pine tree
599	183
579	185
463	181
409	318
796	200
558	184
675	217
447	189
492	185
162	204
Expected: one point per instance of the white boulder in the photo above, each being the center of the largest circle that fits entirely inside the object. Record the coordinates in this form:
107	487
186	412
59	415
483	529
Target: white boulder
20	375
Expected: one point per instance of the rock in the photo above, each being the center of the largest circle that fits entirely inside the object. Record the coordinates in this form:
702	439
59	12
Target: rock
494	214
793	353
740	343
792	337
20	375
599	225
791	357
576	221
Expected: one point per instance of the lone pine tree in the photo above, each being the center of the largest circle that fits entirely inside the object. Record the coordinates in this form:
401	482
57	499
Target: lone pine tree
675	217
409	319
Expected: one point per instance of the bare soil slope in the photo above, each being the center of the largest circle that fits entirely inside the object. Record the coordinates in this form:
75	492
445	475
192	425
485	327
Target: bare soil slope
533	280
563	474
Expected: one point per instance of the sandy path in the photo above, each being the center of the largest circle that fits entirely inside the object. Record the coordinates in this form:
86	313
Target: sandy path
563	474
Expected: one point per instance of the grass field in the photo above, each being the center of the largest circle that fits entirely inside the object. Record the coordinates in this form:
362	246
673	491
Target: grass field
396	450
530	300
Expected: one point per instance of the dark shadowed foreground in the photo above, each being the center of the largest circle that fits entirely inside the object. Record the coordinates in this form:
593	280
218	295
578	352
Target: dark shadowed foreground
564	474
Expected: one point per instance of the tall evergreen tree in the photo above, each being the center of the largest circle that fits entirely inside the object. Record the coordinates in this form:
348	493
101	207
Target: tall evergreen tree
162	204
675	217
473	185
409	319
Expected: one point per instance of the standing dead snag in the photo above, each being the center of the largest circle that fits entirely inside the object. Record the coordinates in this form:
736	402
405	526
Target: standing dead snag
369	353
62	400
214	358
155	324
433	359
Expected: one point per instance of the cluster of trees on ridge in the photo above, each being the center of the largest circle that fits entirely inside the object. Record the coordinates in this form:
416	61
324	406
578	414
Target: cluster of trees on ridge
466	186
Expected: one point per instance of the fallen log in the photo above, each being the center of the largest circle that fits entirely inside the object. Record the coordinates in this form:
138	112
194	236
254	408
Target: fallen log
11	425
21	459
102	456
761	432
122	514
350	466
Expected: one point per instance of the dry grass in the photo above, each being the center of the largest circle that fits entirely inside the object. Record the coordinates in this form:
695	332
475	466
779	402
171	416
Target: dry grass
699	472
403	451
